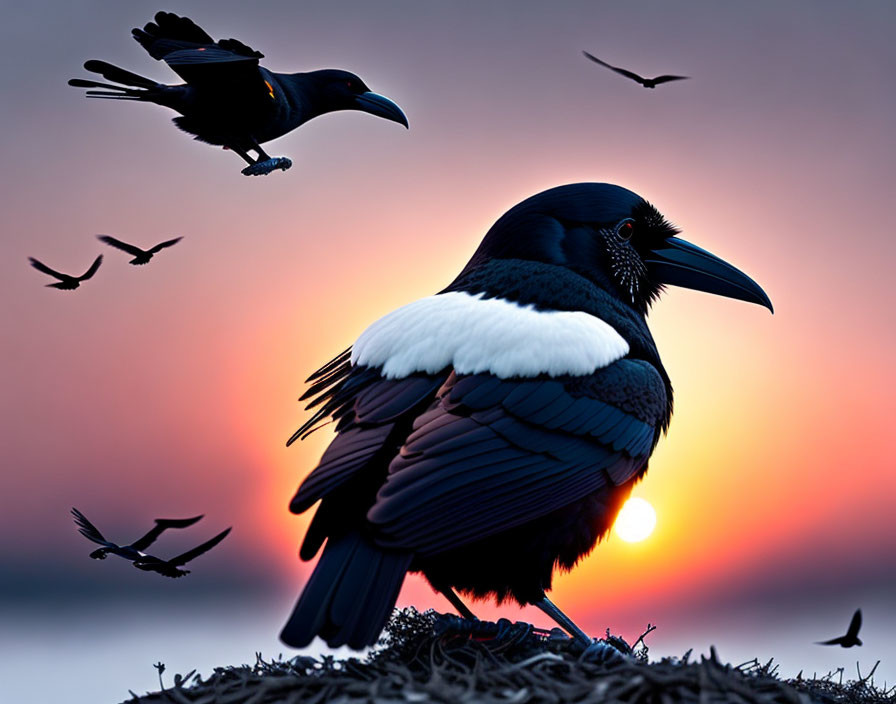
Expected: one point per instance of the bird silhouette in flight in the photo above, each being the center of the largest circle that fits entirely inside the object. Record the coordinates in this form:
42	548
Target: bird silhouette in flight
170	568
852	633
141	256
66	281
646	82
228	98
488	435
134	552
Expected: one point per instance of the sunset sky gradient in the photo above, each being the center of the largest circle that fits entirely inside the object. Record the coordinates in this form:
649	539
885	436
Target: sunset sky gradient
170	389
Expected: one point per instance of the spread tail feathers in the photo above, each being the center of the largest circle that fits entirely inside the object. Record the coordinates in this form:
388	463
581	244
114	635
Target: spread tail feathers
133	87
349	596
119	75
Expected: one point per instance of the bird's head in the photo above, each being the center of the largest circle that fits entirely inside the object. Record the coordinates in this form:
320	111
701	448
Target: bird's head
616	239
341	90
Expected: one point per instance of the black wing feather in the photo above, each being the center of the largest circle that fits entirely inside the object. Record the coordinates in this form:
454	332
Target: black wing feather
123	246
88	530
162	524
92	270
162	245
855	624
219	69
628	74
40	266
500	453
169	33
184	558
666	79
371	417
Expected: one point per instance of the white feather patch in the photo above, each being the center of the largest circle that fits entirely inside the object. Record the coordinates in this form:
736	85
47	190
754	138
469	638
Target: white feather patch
474	334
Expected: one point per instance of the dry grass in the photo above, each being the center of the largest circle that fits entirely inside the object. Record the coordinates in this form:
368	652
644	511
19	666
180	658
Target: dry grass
431	658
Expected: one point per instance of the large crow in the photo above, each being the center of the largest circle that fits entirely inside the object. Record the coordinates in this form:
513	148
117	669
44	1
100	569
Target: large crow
489	434
228	99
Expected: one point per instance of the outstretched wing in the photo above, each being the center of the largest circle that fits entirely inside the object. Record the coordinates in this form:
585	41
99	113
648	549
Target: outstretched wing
40	266
221	71
170	33
162	524
628	74
123	246
833	641
199	550
501	452
666	79
166	243
855	624
88	530
201	61
92	270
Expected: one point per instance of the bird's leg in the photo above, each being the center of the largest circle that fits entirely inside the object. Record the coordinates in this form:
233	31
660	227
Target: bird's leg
242	153
564	621
265	164
594	650
459	605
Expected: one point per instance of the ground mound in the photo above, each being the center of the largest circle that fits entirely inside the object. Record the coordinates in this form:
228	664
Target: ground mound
427	657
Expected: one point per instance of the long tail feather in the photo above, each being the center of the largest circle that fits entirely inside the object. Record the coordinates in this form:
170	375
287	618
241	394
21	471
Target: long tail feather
111	96
349	596
119	75
84	83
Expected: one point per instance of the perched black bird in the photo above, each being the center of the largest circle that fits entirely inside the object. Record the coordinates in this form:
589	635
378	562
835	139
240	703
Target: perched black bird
646	82
228	99
852	633
66	281
134	551
141	256
489	434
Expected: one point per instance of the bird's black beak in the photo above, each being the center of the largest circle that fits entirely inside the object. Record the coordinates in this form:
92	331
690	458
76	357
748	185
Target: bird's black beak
680	263
380	106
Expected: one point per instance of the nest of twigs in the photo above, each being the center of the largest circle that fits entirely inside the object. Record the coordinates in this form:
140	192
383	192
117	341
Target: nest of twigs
426	657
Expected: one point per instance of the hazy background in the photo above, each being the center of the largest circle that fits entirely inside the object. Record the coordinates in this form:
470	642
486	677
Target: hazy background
169	390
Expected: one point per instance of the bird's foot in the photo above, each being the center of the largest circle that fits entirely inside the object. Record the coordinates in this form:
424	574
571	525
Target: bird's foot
500	631
606	652
263	168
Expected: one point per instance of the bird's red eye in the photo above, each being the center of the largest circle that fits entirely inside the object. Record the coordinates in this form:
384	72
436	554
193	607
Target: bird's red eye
348	83
625	230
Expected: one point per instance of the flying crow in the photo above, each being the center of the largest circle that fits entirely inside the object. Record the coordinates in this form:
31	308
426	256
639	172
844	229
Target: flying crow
141	256
66	281
169	568
852	633
228	99
646	82
134	551
489	434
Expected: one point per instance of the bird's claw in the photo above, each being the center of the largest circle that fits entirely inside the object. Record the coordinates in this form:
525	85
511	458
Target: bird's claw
602	652
263	168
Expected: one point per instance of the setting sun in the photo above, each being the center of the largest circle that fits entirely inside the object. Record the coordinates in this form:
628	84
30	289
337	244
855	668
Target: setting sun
635	521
